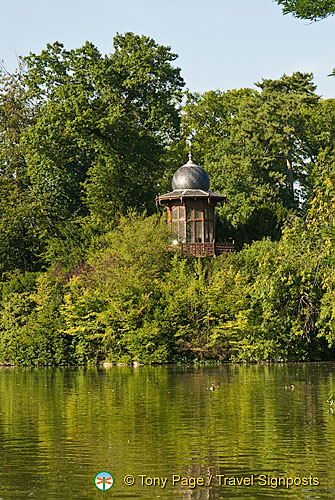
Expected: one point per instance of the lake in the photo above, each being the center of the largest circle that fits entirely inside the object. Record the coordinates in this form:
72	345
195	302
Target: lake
161	428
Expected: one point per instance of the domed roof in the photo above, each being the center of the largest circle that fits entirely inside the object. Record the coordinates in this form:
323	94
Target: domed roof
190	176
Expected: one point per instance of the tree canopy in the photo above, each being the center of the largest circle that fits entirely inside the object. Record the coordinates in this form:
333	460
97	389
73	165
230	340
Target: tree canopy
86	143
82	134
259	148
312	10
102	125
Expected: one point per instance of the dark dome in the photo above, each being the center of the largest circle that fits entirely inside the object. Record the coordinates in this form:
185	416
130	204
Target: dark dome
190	176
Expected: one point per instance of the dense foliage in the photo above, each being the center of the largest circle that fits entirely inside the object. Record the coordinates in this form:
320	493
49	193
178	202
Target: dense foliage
86	143
313	10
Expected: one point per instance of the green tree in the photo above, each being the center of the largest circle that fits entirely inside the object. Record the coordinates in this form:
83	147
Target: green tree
313	10
103	124
207	118
19	243
321	228
273	126
258	148
30	322
112	308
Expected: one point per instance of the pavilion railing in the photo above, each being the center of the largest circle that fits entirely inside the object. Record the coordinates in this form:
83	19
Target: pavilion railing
207	249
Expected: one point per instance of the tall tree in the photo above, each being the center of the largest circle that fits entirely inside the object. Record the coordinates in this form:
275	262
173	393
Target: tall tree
19	244
275	122
207	118
257	147
104	122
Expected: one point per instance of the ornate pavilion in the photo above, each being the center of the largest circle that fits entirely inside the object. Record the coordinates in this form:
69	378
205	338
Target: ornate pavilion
191	212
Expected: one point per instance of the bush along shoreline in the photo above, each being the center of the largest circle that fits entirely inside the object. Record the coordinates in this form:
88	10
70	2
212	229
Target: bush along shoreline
133	301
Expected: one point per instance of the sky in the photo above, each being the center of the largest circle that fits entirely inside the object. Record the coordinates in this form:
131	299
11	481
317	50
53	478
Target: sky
221	44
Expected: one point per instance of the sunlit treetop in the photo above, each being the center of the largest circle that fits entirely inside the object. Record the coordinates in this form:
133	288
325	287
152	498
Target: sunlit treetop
313	10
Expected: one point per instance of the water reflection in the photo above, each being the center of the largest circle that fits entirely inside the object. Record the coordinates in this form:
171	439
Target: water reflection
60	427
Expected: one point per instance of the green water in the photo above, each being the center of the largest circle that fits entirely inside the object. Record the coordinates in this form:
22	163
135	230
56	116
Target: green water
60	427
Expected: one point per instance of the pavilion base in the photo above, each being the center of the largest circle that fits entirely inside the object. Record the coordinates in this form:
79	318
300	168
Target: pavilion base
206	249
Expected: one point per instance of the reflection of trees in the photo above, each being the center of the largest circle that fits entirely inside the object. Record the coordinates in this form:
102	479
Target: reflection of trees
163	420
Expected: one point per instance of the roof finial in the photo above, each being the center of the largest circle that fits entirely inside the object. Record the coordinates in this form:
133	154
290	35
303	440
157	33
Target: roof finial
189	143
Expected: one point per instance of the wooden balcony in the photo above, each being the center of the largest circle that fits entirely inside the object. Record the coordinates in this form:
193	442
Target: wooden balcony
205	249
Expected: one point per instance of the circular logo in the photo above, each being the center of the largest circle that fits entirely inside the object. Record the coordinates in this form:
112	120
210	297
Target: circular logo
104	481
